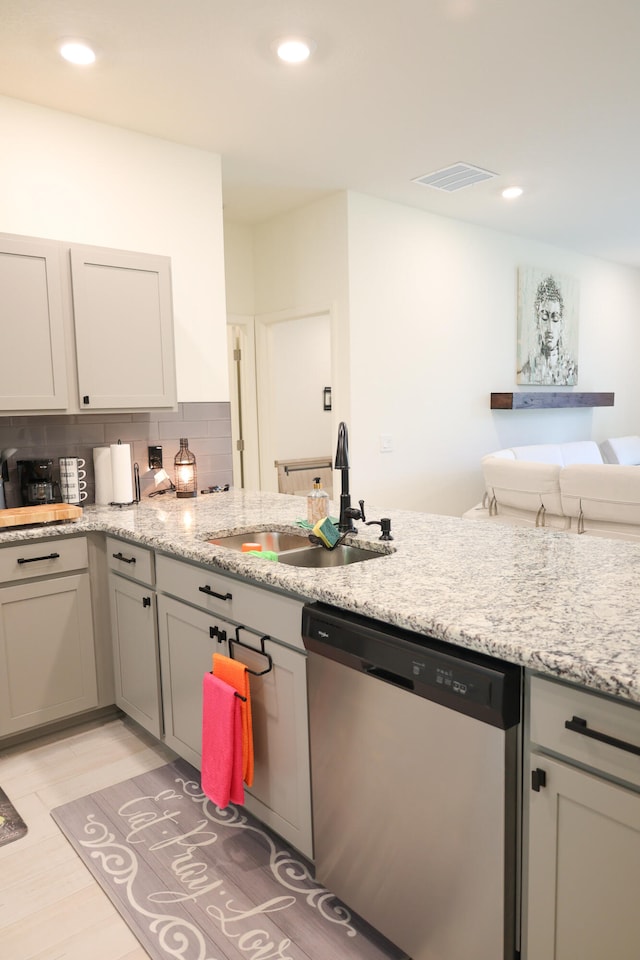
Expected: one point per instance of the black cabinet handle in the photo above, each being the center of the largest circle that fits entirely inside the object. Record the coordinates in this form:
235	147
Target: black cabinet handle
120	556
50	556
578	725
211	593
146	601
538	779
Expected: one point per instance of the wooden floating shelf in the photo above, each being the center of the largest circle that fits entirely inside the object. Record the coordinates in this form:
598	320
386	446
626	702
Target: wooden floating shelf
542	401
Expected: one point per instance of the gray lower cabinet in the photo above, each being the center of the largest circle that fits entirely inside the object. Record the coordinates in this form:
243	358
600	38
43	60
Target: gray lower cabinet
47	654
280	794
134	631
262	620
583	812
187	643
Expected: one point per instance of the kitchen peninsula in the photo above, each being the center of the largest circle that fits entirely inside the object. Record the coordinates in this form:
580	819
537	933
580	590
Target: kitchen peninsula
566	606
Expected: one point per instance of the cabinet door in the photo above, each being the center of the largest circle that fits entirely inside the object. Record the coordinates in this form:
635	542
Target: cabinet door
281	792
47	657
33	350
186	650
122	307
584	867
135	652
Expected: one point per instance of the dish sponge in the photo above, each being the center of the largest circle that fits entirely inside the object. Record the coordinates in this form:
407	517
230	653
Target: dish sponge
327	532
265	554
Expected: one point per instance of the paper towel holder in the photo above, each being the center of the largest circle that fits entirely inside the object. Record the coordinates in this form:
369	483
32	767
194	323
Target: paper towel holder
136	496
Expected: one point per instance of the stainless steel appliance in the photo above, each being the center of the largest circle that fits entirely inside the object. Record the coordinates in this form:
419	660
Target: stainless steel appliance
415	769
37	482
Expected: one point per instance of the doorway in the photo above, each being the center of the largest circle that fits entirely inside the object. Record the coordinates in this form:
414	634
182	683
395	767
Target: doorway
281	399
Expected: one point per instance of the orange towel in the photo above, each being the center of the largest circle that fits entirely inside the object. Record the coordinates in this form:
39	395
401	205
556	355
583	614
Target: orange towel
221	775
235	673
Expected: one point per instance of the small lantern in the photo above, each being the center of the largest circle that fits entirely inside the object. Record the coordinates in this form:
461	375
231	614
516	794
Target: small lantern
185	471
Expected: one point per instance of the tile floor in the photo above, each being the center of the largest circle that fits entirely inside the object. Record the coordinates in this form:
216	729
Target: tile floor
50	906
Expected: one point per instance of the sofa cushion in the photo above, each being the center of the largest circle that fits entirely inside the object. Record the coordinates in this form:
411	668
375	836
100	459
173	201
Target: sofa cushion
601	492
522	485
539	453
580	451
625	450
575	451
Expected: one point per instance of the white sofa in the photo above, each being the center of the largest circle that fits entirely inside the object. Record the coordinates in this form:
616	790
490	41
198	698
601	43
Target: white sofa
579	487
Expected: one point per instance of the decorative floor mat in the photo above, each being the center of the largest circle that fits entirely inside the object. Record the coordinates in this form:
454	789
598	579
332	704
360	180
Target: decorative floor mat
194	882
12	826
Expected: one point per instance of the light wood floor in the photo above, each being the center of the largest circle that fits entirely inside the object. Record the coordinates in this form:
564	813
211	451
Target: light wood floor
50	906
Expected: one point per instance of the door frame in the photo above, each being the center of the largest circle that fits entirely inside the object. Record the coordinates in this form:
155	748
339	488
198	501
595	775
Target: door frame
268	470
245	445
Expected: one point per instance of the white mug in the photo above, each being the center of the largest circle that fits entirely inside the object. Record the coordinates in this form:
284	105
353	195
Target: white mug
72	479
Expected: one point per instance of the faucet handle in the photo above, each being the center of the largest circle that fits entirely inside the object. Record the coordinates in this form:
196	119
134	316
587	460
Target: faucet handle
362	516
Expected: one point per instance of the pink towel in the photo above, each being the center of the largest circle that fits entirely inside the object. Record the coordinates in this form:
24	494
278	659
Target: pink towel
221	774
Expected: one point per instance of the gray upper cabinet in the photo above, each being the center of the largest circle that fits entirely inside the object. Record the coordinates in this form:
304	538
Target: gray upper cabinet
34	373
122	310
84	328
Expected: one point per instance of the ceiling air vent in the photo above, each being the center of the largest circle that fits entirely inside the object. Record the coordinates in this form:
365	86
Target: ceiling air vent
455	177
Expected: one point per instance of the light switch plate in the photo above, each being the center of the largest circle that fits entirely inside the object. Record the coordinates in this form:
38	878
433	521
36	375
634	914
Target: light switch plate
155	457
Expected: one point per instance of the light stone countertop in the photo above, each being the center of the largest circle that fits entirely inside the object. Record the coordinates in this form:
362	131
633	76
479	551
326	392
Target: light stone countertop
562	604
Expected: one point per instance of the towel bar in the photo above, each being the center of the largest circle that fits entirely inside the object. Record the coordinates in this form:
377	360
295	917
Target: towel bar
236	639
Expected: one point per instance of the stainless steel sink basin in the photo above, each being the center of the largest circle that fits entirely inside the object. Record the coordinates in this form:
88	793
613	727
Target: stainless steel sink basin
268	540
319	557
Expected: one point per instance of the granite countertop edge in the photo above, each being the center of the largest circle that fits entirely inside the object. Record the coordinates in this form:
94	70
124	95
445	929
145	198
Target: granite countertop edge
564	605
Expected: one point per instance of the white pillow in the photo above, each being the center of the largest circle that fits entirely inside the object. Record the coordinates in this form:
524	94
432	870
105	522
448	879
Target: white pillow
580	451
625	450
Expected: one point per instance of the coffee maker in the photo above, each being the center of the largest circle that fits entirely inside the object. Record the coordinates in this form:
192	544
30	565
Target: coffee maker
37	484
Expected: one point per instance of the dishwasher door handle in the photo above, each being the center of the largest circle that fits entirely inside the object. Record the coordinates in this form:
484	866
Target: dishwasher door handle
387	675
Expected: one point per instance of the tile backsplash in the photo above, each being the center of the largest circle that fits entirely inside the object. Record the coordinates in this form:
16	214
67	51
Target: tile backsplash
207	426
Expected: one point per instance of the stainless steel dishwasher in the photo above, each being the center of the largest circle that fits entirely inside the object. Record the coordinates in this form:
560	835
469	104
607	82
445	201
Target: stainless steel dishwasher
415	769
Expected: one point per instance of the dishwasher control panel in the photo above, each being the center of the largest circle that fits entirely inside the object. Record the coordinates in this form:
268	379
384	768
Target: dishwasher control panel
471	683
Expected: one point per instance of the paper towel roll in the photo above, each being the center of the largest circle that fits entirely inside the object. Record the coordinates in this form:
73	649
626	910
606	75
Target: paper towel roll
121	473
102	471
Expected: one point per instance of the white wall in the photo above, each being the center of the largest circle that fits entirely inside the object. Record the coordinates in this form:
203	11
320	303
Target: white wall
238	263
66	178
426	331
301	265
432	315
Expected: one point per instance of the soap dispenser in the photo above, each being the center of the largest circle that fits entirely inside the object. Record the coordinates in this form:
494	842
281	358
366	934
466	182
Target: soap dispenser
317	503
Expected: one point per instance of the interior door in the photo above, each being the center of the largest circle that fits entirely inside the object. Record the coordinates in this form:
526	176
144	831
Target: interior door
293	373
281	408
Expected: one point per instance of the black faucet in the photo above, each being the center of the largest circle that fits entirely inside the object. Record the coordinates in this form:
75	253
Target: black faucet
347	512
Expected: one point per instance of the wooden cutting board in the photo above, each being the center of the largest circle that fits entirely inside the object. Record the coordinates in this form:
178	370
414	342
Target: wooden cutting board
43	513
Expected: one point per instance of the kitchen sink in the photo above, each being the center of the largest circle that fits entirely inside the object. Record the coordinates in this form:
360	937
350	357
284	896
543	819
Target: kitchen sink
319	557
268	539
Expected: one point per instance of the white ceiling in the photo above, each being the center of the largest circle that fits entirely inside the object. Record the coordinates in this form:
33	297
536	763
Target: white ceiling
540	92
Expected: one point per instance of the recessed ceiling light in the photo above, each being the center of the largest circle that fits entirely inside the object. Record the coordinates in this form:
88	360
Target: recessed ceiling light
512	193
294	49
78	52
